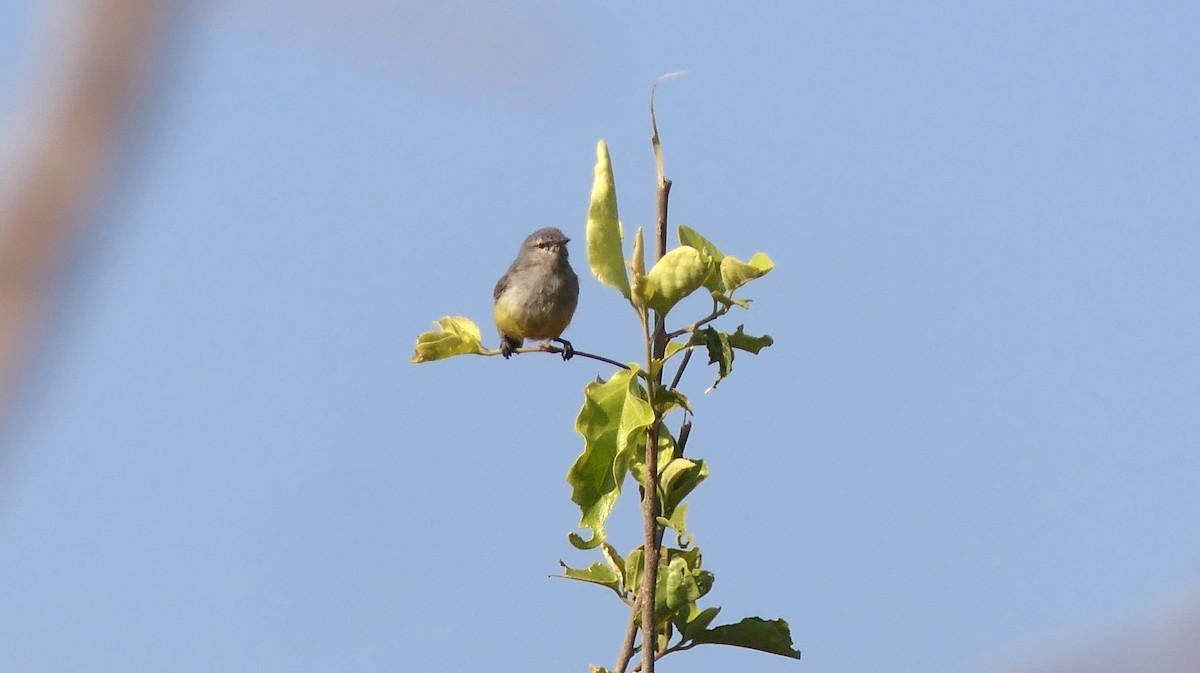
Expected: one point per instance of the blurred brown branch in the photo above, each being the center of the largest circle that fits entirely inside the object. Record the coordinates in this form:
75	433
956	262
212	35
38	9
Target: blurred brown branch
75	133
1166	640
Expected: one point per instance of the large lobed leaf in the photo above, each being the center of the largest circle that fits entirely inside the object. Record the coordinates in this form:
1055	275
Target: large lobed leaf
614	417
720	346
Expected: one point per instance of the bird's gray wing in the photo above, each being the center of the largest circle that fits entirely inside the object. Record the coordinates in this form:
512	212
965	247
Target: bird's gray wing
502	284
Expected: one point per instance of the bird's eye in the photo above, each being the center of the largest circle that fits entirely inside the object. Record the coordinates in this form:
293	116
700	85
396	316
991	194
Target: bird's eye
543	246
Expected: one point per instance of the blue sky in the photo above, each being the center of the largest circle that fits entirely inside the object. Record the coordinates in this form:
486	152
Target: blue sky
974	442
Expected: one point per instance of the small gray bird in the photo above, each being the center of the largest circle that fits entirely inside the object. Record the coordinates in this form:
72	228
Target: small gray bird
536	297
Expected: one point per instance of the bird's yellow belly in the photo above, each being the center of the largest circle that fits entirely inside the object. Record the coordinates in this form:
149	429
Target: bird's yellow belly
531	322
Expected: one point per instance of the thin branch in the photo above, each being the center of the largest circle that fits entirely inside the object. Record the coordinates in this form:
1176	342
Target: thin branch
687	357
685	431
718	311
664	192
650	512
547	348
656	346
656	350
677	647
664	184
627	648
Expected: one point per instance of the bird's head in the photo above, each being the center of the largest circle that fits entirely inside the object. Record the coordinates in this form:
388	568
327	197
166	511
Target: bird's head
549	242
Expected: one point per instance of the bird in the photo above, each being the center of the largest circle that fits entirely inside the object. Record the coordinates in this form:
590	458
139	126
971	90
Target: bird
537	296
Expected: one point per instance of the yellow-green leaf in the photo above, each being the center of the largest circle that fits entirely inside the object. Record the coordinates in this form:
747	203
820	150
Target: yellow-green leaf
454	335
735	273
676	587
613	423
604	235
679	273
638	262
597	573
689	236
678	479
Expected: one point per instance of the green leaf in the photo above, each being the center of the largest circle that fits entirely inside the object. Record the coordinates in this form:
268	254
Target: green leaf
720	352
679	478
597	669
752	344
663	637
678	523
614	561
704	580
676	587
735	273
674	347
670	399
597	573
689	236
604	228
697	622
613	423
679	273
692	556
773	637
729	302
666	451
454	336
634	570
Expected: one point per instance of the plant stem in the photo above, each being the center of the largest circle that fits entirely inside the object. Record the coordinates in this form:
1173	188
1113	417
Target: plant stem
664	192
682	365
717	312
650	527
630	633
685	431
656	346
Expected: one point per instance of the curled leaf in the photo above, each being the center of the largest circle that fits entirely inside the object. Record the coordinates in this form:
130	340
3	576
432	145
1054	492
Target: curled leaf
604	228
720	352
679	273
735	273
676	589
454	335
679	478
678	523
689	236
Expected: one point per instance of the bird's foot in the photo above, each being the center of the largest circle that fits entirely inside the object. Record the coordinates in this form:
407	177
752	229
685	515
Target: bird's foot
568	350
506	349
